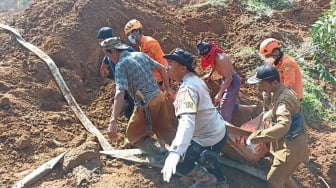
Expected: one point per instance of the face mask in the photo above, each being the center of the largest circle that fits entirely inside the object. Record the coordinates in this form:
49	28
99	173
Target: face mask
131	39
270	61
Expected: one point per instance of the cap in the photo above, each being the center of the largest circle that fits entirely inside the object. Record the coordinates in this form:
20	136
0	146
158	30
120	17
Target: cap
203	48
113	43
264	72
104	33
183	57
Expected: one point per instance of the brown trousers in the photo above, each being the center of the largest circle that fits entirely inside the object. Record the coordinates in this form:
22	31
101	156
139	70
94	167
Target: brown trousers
280	173
163	122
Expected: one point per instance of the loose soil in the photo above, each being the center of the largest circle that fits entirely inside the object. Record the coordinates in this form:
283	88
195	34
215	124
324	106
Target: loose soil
36	123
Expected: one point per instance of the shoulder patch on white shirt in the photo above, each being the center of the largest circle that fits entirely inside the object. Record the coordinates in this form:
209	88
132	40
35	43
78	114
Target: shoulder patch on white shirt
184	103
281	108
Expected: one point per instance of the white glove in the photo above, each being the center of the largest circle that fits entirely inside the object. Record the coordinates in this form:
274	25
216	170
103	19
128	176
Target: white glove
267	115
265	95
250	145
169	167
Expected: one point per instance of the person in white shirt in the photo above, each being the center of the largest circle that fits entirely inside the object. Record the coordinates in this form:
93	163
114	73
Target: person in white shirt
201	132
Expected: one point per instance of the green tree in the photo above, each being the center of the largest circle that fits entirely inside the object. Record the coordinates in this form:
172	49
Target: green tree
323	33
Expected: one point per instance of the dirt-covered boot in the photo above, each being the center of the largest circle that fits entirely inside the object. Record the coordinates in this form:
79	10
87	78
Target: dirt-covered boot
202	177
155	154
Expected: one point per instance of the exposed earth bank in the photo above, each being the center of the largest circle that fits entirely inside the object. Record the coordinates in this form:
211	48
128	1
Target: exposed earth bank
36	123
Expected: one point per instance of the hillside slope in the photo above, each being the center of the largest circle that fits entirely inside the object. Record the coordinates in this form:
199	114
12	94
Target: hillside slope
36	124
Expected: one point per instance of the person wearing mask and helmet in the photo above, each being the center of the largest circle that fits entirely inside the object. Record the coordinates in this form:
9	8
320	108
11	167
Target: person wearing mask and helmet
147	44
290	73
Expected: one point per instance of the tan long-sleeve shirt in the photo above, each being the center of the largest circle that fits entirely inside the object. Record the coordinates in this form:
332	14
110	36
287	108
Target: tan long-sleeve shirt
285	105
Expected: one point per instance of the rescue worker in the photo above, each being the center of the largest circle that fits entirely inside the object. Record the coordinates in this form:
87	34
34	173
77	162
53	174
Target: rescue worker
290	73
287	136
133	73
201	132
147	44
212	56
107	69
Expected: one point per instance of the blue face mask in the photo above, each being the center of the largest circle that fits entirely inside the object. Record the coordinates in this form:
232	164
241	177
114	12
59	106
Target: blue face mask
131	39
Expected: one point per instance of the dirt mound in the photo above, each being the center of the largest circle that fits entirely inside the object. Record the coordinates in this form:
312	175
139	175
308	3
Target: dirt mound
37	124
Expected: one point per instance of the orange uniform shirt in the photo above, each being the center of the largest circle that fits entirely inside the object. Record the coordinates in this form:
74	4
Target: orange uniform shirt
290	75
152	48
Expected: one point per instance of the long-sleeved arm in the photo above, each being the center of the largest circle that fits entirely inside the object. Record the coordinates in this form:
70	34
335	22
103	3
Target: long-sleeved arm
184	134
277	131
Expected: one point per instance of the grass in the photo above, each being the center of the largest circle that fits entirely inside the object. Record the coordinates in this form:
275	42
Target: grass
265	7
207	3
317	106
259	7
245	51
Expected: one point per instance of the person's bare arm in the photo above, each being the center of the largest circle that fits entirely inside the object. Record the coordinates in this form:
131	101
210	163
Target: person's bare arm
165	79
112	130
208	75
224	68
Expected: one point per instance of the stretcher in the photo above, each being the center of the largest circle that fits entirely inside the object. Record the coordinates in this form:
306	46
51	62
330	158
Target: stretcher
236	147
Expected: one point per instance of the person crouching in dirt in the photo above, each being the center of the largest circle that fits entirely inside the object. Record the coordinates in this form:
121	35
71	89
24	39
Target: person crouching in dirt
290	73
133	73
287	137
107	69
214	57
147	44
201	132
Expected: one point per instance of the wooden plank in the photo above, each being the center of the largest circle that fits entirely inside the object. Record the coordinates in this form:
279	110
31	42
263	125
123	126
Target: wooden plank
39	172
128	154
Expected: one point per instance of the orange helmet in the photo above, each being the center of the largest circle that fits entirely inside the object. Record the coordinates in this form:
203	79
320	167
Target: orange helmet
131	25
268	45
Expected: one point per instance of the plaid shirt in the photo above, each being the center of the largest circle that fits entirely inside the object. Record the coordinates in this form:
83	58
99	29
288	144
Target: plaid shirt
134	71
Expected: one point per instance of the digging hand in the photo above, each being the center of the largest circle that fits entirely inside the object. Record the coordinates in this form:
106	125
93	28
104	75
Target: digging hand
206	77
169	93
169	167
218	98
112	131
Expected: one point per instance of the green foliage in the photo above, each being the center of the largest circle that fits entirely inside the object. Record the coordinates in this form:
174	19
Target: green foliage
316	105
325	74
266	6
22	2
323	31
207	3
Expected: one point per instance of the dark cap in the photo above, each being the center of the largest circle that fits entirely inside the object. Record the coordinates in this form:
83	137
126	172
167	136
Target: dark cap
203	48
183	57
113	43
264	72
104	33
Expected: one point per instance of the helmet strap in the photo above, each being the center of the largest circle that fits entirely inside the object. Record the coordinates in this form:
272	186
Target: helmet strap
277	60
139	31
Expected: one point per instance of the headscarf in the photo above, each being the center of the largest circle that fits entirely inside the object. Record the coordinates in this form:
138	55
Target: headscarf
209	59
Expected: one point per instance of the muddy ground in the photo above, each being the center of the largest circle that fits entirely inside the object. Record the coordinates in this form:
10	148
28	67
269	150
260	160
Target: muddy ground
36	123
